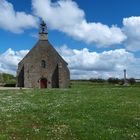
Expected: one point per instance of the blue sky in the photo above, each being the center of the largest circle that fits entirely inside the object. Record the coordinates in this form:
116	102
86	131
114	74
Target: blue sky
107	29
105	11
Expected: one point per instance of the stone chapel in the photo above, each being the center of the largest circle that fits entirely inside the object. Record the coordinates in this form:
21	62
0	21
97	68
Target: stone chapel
43	67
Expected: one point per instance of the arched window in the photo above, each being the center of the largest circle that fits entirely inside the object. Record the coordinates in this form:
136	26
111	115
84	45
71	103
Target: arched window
43	64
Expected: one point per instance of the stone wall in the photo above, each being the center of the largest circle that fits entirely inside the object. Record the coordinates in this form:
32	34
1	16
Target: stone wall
33	71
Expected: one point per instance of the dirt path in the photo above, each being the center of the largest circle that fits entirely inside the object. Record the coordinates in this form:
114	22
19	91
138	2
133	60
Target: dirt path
11	88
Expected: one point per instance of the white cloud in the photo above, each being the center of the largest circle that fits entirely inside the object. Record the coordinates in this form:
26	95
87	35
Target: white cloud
132	30
86	64
10	59
67	17
14	21
83	64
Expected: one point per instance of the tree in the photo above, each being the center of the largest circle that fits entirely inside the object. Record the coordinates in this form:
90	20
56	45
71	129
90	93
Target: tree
7	78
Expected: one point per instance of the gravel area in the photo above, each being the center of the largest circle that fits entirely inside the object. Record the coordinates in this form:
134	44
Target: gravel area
11	88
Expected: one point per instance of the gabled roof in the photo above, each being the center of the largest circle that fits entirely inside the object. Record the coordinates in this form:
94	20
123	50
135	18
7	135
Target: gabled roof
43	45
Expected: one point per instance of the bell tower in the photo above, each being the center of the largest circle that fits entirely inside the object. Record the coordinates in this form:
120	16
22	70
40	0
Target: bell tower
43	31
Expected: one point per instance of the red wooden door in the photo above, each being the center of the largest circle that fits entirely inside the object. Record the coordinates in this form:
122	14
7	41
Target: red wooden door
43	83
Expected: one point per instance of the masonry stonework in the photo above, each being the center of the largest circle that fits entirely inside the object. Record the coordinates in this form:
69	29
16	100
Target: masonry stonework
43	67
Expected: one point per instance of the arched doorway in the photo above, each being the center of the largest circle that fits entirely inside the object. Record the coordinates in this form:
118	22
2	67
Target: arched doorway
43	83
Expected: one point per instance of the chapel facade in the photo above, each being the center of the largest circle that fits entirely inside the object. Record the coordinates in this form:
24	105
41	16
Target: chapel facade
43	67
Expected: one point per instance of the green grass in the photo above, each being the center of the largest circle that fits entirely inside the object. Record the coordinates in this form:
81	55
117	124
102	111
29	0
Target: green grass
87	111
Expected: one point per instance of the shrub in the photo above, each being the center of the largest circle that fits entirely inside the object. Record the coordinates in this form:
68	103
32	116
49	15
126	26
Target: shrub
10	85
113	80
99	80
7	79
131	81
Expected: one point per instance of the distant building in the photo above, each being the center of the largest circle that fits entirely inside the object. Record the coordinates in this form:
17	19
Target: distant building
43	67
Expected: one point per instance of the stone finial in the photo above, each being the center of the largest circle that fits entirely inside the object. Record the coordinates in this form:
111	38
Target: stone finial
124	74
125	78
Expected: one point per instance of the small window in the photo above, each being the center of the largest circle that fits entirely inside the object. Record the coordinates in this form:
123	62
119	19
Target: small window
43	64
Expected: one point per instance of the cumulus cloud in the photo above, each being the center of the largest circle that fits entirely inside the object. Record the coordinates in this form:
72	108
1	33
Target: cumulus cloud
10	59
14	21
67	17
132	30
83	63
86	64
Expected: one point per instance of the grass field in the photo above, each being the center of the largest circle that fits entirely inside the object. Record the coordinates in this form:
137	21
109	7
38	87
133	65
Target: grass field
84	112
